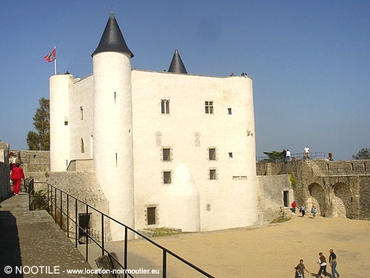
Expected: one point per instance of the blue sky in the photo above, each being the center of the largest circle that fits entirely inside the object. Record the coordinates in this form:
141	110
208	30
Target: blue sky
309	60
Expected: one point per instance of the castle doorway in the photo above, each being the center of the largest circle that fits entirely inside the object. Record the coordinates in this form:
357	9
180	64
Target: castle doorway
317	195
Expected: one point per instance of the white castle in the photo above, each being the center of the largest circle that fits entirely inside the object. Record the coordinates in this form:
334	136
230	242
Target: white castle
169	148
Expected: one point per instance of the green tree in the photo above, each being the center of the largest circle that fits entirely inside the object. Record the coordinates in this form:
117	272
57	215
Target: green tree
40	140
273	156
364	153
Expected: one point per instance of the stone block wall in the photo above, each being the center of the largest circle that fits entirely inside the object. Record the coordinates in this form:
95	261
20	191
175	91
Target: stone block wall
271	196
336	188
34	161
5	191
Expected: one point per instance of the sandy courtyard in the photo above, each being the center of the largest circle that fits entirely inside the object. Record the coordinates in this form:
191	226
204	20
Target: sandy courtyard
269	251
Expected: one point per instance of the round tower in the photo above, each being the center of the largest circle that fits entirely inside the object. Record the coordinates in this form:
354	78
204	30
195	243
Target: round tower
59	126
113	145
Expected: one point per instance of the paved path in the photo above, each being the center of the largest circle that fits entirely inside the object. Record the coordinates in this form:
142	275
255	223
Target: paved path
32	239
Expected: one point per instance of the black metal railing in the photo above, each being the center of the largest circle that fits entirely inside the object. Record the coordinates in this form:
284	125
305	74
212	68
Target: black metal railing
293	156
66	208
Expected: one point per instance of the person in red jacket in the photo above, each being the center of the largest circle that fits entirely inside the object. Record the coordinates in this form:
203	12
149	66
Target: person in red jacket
17	176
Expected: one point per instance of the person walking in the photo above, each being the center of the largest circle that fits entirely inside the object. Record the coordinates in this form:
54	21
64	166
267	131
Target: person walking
294	207
300	268
322	263
313	211
333	263
17	176
303	210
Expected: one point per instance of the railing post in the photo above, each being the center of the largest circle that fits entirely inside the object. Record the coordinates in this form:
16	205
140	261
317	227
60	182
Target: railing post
102	234
164	270
61	209
67	216
86	235
55	205
48	192
76	224
125	252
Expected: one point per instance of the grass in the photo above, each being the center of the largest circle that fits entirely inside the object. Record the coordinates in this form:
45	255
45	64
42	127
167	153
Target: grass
283	217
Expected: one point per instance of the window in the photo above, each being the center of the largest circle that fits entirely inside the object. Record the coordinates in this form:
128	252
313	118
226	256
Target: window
212	154
150	215
230	111
209	107
81	113
165	106
167	177
212	174
230	155
82	146
166	154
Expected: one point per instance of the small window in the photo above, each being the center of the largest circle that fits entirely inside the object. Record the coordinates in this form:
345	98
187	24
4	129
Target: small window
82	146
230	155
165	106
212	174
167	177
81	112
166	154
65	122
230	111
150	214
212	154
209	107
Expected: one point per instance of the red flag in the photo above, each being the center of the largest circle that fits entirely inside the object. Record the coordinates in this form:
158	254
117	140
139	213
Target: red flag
51	56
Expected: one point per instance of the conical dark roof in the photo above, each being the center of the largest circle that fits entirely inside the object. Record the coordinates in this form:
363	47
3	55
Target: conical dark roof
112	39
177	66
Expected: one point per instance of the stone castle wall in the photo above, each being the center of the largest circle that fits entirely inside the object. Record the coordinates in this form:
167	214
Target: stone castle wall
336	188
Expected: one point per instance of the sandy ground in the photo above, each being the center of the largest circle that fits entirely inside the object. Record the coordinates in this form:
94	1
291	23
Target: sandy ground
268	251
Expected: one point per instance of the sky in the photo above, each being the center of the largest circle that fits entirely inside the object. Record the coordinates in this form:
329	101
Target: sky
309	60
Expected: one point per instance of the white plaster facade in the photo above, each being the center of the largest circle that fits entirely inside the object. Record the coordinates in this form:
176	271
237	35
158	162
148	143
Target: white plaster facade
191	159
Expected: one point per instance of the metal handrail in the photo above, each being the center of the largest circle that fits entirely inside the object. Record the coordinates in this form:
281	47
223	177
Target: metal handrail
52	195
312	155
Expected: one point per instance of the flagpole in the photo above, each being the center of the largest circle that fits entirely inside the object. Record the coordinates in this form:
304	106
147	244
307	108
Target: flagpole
55	63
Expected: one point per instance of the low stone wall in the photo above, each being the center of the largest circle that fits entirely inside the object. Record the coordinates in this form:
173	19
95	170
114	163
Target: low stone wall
85	187
5	191
34	161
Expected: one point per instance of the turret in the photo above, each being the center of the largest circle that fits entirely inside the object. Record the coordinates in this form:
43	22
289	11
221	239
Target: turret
113	145
177	66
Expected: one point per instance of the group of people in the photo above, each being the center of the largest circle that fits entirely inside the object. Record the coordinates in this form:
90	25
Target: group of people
300	268
286	153
302	209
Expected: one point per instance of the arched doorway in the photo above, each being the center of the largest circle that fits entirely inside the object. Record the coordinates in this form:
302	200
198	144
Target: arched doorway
342	200
317	195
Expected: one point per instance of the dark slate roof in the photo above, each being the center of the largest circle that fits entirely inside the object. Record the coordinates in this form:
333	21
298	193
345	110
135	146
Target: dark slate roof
112	39
177	66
